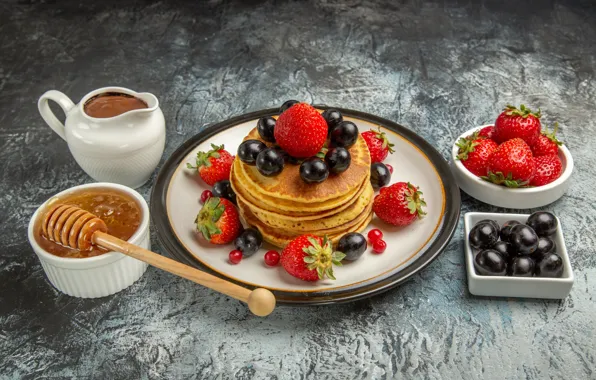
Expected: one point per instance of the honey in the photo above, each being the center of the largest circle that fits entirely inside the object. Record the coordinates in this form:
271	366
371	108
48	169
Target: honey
121	213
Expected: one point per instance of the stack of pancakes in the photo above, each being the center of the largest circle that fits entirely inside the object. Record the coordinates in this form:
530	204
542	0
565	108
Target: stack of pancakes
284	207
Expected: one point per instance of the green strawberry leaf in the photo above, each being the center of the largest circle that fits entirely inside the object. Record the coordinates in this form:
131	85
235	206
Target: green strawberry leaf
467	145
499	178
208	217
322	153
309	259
414	200
523	111
552	136
320	272
205	231
313	242
338	256
203	158
329	273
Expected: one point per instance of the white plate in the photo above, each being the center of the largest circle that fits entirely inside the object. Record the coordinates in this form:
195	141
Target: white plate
179	190
508	286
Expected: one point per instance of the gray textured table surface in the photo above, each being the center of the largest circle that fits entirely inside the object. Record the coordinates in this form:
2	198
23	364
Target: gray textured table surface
436	67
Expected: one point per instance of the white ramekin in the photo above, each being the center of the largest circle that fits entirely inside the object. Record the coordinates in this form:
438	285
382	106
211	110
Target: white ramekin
101	275
502	196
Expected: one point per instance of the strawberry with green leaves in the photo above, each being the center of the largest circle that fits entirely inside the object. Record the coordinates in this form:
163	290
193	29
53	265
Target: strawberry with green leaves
378	145
517	123
474	152
310	258
511	164
214	165
218	221
546	143
399	204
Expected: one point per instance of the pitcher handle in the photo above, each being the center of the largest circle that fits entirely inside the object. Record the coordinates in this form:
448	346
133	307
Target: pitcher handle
46	112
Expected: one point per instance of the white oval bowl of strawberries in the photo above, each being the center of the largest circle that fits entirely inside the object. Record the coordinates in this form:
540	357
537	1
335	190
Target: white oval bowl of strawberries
513	163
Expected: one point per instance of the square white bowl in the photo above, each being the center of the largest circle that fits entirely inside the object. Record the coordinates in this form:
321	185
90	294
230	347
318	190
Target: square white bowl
509	286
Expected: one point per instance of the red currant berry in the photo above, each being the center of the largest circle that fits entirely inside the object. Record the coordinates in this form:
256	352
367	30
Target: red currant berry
390	168
379	246
374	235
235	256
205	195
271	258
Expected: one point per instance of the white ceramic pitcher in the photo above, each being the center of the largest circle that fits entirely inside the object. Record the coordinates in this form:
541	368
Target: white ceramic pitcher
123	149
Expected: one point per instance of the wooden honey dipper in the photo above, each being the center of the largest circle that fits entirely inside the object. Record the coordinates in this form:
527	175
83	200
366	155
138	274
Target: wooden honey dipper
76	228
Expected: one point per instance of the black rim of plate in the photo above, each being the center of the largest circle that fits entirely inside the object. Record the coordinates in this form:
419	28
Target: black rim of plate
446	229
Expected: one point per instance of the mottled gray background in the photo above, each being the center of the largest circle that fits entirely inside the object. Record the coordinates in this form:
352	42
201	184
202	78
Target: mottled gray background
437	67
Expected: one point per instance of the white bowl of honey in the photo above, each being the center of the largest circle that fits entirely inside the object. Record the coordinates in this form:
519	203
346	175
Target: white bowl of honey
96	272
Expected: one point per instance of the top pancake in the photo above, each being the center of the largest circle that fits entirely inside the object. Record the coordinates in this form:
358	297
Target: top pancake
288	184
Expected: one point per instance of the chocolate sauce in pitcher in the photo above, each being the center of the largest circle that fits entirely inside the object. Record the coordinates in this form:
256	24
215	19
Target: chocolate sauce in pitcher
110	104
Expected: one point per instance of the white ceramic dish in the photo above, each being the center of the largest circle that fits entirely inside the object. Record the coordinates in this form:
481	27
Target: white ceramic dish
506	197
508	286
175	204
97	276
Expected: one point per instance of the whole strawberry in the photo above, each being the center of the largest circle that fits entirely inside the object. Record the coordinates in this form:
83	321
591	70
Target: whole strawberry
301	131
399	204
517	123
310	258
546	143
511	164
378	145
214	165
548	169
218	221
474	152
488	132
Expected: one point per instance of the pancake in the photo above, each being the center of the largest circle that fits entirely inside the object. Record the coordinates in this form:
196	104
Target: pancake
242	185
318	230
349	214
332	230
289	186
263	210
281	239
